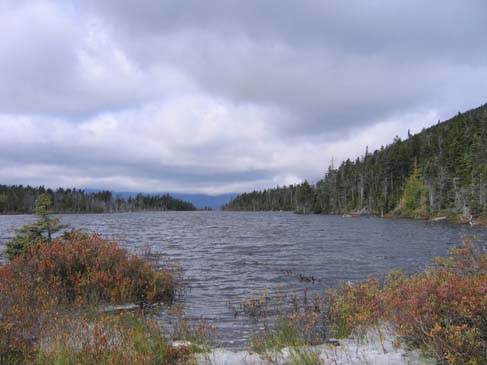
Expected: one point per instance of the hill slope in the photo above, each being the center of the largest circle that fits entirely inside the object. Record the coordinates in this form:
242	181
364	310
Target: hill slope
443	168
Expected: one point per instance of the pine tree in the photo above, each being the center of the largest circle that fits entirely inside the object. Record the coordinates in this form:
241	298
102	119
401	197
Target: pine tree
450	156
40	231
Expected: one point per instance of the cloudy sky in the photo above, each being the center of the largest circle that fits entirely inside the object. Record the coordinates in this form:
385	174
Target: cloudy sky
224	95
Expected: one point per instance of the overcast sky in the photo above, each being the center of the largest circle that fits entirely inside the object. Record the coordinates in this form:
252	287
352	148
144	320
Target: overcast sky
225	95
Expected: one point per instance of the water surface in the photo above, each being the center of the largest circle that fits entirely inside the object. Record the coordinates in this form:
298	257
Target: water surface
228	256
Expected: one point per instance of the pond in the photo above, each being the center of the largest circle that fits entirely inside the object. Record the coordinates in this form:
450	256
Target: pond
228	256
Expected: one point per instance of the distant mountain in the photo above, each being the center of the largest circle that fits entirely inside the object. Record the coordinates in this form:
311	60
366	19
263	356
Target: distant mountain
200	201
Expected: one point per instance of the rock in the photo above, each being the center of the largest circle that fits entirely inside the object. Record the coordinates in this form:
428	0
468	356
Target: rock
178	344
333	341
129	307
438	219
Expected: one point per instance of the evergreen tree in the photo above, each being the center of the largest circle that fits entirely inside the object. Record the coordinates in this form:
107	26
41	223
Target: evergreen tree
40	231
452	159
21	199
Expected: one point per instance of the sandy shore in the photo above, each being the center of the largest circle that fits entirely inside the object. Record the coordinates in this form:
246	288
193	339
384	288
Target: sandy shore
377	347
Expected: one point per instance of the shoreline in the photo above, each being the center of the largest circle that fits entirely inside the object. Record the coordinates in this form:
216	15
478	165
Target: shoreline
458	220
102	213
379	346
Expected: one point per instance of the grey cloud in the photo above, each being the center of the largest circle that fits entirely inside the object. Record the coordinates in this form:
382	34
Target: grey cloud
312	59
57	62
327	64
355	25
98	164
225	94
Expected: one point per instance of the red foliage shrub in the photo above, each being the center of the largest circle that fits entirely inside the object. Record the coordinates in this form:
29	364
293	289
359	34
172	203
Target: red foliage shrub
89	269
23	310
79	269
445	308
442	310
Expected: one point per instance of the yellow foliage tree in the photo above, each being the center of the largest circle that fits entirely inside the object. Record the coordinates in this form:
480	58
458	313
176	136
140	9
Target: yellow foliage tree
414	191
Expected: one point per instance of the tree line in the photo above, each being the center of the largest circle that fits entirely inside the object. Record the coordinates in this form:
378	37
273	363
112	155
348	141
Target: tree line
441	169
18	199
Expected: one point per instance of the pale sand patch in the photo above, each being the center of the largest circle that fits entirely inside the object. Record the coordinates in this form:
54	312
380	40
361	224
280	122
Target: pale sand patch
377	347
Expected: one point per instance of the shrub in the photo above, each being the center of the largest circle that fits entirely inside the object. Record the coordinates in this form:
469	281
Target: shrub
442	310
79	269
91	270
354	307
24	308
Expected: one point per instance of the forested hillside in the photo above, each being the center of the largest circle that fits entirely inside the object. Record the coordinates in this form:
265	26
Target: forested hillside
21	199
441	170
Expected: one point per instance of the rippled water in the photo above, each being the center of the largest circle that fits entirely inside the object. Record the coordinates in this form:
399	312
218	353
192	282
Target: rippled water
230	255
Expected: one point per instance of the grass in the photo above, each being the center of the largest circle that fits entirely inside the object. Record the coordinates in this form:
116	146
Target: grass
121	339
283	334
305	356
289	322
295	332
